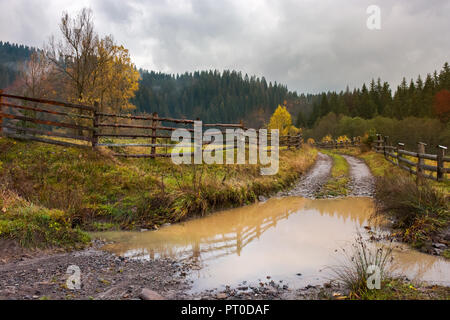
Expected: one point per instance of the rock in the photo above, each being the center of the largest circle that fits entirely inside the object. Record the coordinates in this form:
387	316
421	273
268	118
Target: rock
243	288
439	245
144	230
299	274
262	199
221	296
271	291
148	294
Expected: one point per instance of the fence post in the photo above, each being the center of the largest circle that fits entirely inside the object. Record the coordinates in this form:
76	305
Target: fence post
299	142
379	143
440	162
289	141
95	126
153	139
400	146
420	160
385	144
1	118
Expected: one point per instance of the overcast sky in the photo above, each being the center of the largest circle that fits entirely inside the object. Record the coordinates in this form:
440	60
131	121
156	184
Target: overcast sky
310	45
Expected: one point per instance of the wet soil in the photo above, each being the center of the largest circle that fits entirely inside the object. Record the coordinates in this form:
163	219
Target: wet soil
311	183
361	179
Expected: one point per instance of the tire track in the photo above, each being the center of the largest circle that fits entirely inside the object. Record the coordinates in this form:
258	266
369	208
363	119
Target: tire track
362	181
311	183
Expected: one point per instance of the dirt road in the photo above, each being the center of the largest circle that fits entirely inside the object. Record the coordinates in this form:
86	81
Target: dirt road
311	183
362	181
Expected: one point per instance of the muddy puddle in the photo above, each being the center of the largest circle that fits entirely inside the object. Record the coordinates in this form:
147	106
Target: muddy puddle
291	239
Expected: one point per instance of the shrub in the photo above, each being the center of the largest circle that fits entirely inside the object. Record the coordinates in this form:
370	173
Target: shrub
353	272
419	210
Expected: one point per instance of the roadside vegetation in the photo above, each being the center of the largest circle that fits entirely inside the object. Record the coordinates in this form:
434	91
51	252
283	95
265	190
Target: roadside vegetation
420	210
337	185
94	191
33	225
353	274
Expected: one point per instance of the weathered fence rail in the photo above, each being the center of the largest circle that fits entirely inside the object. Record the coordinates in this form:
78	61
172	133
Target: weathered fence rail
85	126
414	161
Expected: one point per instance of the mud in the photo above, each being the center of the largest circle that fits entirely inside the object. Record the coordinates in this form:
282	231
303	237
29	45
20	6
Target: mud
103	276
311	183
362	181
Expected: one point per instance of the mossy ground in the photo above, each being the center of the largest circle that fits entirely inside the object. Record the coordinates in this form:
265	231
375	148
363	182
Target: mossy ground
399	289
94	190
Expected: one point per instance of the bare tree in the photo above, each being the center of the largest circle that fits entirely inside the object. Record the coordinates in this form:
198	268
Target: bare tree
35	76
75	56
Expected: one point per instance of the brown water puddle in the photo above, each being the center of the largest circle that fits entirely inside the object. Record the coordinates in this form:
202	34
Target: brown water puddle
280	238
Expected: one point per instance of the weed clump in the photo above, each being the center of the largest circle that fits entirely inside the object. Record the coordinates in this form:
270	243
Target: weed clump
354	271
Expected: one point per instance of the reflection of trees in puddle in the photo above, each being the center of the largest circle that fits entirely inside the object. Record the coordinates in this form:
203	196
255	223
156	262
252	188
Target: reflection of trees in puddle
357	210
230	231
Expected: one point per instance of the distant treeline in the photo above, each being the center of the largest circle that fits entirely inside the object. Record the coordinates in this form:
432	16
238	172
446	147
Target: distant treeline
10	57
409	130
416	99
212	96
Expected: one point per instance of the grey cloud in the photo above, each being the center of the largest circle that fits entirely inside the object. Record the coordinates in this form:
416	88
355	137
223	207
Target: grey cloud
309	45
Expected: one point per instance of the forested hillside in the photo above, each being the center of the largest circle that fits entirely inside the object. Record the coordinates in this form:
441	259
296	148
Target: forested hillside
11	55
214	96
427	98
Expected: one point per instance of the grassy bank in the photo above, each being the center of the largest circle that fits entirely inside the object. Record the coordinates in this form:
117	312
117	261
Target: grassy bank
96	191
420	211
337	184
33	225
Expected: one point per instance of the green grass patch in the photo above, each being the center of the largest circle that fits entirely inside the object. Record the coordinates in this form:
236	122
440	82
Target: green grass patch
35	226
398	289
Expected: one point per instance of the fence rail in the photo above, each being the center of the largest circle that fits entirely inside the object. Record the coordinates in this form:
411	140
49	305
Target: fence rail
414	162
85	126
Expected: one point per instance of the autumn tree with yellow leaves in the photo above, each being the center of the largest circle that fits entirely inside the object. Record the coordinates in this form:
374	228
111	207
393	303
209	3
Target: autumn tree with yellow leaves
91	69
282	120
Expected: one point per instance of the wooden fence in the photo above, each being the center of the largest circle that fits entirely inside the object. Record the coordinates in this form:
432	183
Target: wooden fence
355	142
414	162
74	125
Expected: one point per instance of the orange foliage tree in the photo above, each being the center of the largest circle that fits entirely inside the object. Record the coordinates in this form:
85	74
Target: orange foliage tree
441	105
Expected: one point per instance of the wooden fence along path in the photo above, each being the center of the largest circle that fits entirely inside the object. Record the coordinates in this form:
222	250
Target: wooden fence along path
414	162
75	125
355	142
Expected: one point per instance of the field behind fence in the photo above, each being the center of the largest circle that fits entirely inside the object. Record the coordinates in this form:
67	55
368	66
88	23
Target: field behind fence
132	136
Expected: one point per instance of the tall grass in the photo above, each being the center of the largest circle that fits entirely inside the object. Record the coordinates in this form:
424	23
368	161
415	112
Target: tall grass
418	209
405	200
352	273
